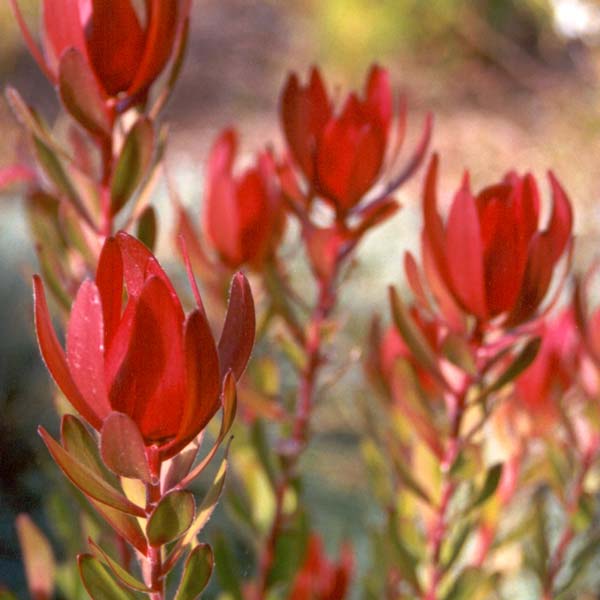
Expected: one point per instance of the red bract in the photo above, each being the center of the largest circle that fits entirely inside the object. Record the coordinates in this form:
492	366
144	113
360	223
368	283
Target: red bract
125	50
244	216
490	258
342	155
147	360
541	387
320	578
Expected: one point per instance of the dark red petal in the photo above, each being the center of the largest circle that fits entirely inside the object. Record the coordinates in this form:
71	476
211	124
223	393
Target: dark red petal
54	356
237	337
202	382
139	264
63	29
85	348
536	280
115	43
109	279
561	220
378	96
150	383
465	252
433	229
163	22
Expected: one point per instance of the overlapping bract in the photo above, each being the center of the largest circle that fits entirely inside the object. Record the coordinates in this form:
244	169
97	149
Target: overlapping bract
341	154
243	215
147	360
491	258
126	51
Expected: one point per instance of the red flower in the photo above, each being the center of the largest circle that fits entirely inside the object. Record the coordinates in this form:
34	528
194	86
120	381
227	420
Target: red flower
539	390
125	52
490	258
244	216
147	360
342	155
321	579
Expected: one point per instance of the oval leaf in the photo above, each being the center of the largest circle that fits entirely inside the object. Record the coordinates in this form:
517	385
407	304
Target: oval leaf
81	95
132	163
122	447
86	480
98	581
196	573
120	573
171	518
38	558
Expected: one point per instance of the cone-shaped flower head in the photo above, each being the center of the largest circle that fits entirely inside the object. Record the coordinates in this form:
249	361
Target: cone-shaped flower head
491	257
145	358
340	154
243	215
126	48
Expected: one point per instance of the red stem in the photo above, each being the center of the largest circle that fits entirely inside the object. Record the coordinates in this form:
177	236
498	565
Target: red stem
154	559
308	380
571	506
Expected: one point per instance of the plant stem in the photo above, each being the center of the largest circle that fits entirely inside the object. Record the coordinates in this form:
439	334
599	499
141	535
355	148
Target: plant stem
154	559
300	432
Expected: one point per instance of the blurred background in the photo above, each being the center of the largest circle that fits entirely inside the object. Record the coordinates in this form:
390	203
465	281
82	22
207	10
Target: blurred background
513	84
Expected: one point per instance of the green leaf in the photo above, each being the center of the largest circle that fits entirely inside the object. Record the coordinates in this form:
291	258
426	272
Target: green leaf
412	335
263	447
122	447
171	518
228	571
404	559
454	544
81	94
519	364
196	573
78	441
132	163
38	558
86	480
146	227
490	485
456	349
466	584
54	169
207	507
120	573
98	582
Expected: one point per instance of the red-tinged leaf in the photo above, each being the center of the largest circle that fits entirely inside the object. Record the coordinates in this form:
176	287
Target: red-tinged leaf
54	357
149	383
38	559
229	401
177	467
139	264
376	213
413	336
63	29
132	164
171	518
163	23
561	220
202	382
85	348
78	441
198	257
109	279
413	278
378	96
196	573
464	252
30	42
81	94
98	582
15	174
115	43
237	337
122	447
120	573
125	525
523	359
207	506
86	480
